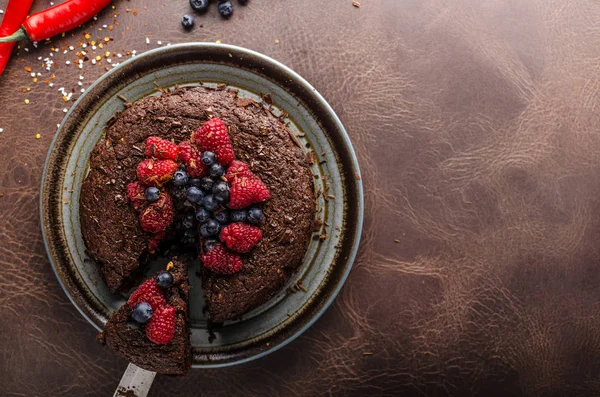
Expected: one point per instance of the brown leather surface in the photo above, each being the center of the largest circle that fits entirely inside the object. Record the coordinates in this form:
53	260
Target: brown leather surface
477	125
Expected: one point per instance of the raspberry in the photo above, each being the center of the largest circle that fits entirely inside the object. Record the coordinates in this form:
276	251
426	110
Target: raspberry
158	216
245	191
161	149
213	137
154	241
220	261
240	237
238	169
161	327
156	172
149	292
191	158
136	193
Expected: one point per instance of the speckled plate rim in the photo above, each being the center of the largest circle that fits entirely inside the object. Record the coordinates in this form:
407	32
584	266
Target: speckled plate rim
353	187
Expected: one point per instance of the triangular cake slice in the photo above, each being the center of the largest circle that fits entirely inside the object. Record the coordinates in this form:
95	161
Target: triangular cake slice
170	352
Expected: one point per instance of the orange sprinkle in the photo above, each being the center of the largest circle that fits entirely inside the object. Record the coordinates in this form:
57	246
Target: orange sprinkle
27	69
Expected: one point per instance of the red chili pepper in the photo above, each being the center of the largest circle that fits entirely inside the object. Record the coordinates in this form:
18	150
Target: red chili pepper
58	19
15	14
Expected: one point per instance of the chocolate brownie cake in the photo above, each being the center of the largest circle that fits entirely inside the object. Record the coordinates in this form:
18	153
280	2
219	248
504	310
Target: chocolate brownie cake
112	223
130	339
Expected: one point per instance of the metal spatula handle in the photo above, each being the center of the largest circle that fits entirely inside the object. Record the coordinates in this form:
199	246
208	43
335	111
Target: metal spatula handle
135	382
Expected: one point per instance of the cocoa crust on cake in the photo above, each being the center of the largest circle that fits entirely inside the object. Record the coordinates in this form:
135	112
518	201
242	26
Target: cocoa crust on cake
112	233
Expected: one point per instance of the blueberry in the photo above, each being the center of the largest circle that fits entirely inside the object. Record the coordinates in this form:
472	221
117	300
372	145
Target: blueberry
222	217
225	9
189	237
187	21
210	203
255	216
199	5
152	194
188	221
239	216
194	182
220	187
210	228
203	215
194	195
209	158
206	184
180	178
209	244
221	191
164	279
142	312
216	170
222	197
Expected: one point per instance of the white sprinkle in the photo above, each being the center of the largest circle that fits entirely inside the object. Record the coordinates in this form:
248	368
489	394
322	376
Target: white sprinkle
79	83
82	90
83	53
80	66
39	74
57	125
39	58
84	45
26	49
93	48
147	40
56	50
119	55
1	12
51	85
51	54
95	18
35	43
71	48
159	42
80	77
1	129
51	3
65	110
68	62
134	52
32	74
109	60
104	26
65	51
93	61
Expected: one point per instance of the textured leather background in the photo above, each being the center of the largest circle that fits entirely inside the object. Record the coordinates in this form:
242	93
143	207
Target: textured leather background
477	124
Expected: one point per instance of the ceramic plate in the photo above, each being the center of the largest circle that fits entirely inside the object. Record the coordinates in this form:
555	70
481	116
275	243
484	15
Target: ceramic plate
313	122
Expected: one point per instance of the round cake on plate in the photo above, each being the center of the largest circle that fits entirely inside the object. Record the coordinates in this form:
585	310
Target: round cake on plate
198	172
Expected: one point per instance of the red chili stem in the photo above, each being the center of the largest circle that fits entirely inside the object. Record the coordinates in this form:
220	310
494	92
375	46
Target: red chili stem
61	18
14	15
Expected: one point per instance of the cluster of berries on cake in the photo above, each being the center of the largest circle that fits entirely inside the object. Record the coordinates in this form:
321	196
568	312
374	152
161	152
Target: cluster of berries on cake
221	197
150	308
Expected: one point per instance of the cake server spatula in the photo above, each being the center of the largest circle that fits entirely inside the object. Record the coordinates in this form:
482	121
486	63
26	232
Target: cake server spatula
135	382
